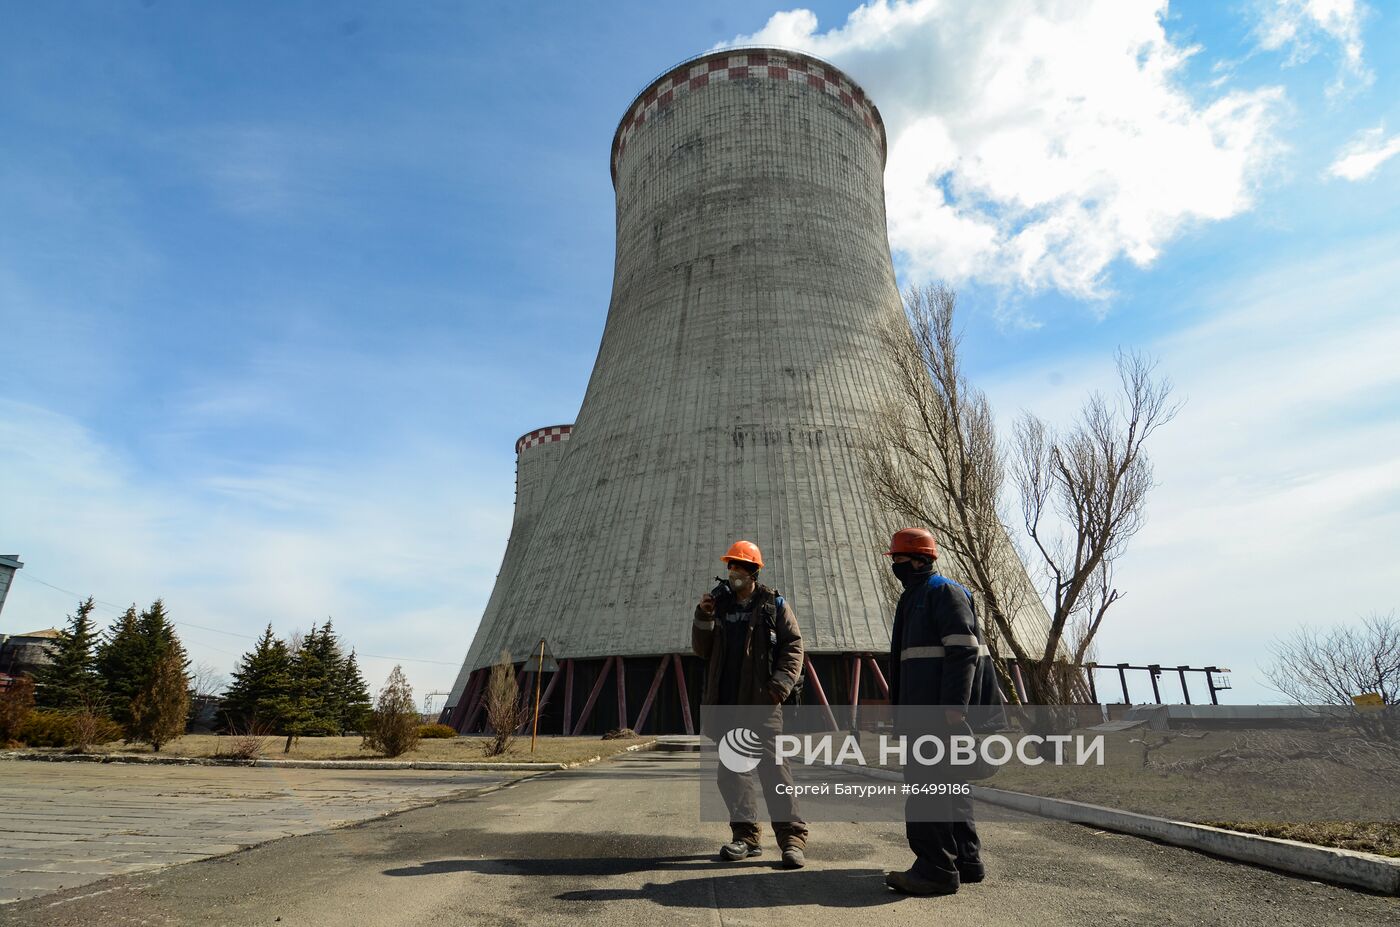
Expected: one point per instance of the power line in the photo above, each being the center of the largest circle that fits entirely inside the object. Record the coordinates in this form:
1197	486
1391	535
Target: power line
27	576
199	627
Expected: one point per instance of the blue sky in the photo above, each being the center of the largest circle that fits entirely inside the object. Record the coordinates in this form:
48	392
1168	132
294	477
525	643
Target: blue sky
280	284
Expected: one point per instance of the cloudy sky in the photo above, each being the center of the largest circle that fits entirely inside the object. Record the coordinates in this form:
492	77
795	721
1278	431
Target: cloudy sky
280	284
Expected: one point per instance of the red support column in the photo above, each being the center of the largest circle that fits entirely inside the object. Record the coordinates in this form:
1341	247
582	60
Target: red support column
821	696
855	691
621	694
467	701
544	699
553	679
1021	684
593	696
525	684
568	695
685	696
651	694
485	672
879	676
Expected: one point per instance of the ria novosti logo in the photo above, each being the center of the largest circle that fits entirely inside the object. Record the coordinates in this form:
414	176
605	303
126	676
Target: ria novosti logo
740	750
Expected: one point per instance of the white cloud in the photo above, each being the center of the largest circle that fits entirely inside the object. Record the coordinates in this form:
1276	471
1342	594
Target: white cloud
1364	155
1278	485
1033	144
1300	26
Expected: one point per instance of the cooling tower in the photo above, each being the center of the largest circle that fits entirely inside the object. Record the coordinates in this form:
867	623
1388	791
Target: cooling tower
739	364
536	455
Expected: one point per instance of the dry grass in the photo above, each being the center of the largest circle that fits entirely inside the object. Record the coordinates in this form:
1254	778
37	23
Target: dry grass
458	749
1184	780
1232	776
1381	837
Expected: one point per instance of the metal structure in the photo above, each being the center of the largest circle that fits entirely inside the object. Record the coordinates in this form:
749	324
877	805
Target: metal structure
9	563
1216	679
739	366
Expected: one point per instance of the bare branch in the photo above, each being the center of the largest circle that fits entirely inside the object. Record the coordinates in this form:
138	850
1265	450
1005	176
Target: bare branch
1316	668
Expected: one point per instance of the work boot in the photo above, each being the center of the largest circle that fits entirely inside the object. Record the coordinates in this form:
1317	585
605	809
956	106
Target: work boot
971	870
739	849
911	883
793	857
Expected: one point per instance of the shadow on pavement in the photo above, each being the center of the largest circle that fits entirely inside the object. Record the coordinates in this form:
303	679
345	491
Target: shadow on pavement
553	866
853	888
737	883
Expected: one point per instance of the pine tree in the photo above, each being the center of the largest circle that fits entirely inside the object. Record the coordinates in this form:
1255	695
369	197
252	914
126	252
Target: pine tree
121	666
259	696
317	669
305	714
158	635
331	664
160	708
355	706
71	679
128	659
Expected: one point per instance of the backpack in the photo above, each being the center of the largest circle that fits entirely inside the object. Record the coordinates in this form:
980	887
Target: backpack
770	622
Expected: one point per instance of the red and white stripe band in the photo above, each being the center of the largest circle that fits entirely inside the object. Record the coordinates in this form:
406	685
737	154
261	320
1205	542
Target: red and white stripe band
550	435
723	65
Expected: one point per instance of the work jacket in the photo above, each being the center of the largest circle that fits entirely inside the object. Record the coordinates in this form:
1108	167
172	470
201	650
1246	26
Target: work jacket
938	656
772	649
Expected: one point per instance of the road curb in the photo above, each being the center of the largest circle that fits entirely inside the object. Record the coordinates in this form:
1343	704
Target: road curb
138	759
1345	867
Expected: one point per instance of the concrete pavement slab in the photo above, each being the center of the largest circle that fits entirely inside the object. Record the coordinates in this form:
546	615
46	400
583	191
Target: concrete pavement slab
85	822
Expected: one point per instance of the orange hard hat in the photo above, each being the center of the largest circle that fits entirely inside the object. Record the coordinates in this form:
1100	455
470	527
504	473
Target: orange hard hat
913	542
745	552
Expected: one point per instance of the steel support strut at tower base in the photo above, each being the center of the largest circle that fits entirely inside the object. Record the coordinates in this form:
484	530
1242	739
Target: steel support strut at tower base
673	693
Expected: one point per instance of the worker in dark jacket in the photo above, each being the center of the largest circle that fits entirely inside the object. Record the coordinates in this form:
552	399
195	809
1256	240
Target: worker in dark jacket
937	658
750	641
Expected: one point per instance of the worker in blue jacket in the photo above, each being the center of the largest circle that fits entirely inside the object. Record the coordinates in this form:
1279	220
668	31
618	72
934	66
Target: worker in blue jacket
937	658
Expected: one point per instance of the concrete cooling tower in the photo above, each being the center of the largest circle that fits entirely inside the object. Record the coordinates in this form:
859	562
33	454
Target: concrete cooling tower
738	367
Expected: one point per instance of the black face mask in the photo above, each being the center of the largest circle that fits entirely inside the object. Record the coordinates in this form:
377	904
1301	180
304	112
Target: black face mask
911	571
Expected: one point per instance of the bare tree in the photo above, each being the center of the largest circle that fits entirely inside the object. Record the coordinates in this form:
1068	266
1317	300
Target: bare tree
934	460
16	702
1083	497
205	681
504	711
1313	667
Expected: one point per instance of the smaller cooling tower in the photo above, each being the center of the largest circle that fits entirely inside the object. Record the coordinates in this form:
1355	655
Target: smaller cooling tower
537	453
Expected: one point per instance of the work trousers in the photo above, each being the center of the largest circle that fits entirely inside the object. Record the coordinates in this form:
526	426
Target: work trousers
940	827
739	789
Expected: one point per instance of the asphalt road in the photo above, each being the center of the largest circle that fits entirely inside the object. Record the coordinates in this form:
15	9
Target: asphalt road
620	843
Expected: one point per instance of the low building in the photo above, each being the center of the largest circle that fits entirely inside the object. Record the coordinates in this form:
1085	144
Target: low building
24	653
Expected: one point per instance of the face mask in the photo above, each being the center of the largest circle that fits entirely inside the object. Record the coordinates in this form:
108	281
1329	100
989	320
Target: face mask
739	580
907	571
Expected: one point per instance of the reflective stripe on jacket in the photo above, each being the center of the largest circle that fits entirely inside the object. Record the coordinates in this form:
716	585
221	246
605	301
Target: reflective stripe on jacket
937	653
